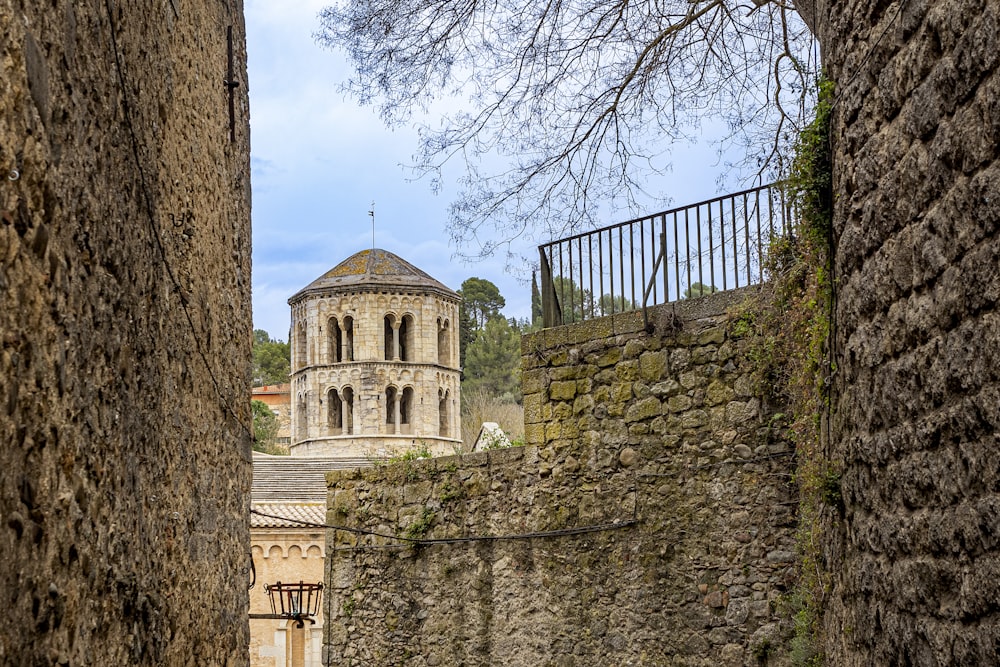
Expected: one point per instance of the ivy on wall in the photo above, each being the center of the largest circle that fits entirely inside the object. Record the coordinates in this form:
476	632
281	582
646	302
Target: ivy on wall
794	364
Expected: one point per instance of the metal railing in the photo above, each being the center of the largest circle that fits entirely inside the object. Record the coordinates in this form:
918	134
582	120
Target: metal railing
714	245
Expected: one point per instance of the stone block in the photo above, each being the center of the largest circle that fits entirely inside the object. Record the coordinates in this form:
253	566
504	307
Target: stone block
562	390
609	357
534	433
679	403
533	408
633	348
627	371
718	392
534	381
643	410
738	412
583	403
653	366
714	336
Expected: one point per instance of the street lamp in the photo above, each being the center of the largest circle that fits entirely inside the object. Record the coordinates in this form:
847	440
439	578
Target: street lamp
295	602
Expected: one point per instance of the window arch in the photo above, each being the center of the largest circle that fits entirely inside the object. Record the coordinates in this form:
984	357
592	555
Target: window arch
406	411
444	342
444	416
345	401
392	409
334	413
336	341
390	338
301	418
397	336
347	354
300	345
405	339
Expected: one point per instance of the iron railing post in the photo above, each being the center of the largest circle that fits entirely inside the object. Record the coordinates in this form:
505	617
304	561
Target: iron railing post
568	269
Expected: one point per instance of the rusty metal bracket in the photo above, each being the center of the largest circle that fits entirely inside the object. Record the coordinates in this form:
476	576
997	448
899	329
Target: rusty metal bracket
231	83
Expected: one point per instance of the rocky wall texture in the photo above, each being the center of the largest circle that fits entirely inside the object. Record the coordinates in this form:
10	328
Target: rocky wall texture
916	136
655	439
124	334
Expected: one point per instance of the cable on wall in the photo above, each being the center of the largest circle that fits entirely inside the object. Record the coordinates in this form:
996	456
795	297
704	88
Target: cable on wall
581	530
147	201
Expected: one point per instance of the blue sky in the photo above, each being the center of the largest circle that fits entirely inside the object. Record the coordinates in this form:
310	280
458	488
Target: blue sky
319	160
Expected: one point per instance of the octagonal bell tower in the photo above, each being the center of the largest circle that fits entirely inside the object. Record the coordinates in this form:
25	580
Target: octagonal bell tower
375	367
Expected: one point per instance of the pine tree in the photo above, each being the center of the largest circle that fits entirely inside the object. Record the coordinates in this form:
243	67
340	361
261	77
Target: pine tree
536	302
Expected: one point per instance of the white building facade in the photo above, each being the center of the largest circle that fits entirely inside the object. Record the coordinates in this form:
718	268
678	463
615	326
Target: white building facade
375	361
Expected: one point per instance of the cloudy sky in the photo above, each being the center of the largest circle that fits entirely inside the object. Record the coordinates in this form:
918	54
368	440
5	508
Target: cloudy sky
319	160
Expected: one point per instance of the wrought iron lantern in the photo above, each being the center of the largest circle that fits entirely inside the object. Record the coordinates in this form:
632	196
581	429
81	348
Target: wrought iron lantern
295	602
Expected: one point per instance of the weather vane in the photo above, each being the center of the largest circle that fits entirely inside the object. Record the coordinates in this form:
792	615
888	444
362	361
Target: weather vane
371	212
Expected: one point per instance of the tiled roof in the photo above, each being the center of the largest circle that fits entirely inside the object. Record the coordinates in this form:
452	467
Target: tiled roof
267	389
293	487
378	268
293	512
295	478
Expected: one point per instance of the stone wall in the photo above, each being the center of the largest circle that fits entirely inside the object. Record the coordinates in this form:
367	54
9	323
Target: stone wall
916	562
658	439
124	334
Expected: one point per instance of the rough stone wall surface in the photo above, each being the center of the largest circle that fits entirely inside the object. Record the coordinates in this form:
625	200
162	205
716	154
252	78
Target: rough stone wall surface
124	335
917	336
661	430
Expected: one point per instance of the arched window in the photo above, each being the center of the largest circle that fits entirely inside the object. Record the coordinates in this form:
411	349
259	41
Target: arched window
444	342
348	339
444	418
300	345
406	411
334	413
301	418
336	338
347	411
389	338
405	338
391	410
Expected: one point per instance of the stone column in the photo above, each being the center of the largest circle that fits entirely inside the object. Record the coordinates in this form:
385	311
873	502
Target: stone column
395	413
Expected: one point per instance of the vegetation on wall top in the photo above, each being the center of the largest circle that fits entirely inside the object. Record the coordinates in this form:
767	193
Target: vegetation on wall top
793	325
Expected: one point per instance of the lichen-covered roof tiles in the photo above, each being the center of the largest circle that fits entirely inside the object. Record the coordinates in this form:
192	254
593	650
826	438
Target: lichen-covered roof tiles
295	478
375	268
292	487
287	515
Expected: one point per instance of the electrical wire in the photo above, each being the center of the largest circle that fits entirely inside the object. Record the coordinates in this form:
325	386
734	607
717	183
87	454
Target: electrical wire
147	201
868	54
615	525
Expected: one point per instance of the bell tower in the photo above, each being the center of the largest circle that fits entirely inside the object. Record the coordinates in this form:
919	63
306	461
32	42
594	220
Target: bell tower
374	360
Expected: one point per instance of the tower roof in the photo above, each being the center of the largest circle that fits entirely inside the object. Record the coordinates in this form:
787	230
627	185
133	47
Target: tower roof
374	269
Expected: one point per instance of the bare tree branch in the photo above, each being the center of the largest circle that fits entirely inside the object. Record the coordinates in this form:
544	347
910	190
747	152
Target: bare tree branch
570	104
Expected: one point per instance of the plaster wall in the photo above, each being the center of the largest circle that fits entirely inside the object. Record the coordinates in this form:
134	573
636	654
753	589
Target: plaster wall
284	555
278	399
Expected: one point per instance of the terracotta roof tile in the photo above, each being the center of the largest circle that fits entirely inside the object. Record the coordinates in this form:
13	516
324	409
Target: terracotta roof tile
294	512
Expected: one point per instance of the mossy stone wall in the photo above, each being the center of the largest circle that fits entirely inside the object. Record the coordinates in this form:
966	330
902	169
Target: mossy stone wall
658	435
915	557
